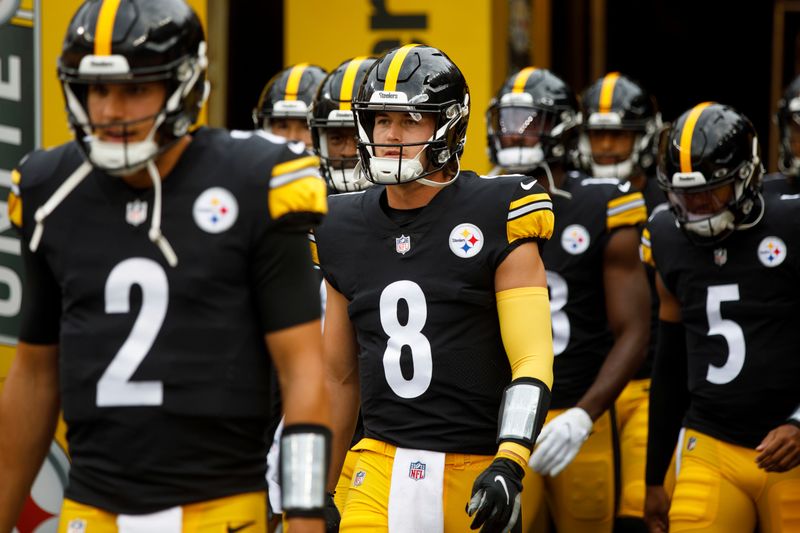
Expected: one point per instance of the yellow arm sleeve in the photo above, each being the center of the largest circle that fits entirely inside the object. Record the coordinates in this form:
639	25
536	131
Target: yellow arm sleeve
525	327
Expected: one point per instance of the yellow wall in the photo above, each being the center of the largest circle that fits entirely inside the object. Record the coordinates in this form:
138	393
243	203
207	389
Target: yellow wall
471	32
55	17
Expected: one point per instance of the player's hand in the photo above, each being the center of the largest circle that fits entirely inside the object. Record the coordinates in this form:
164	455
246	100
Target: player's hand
656	509
332	516
495	498
560	441
780	449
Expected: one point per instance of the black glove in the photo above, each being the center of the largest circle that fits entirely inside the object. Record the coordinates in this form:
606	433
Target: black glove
495	498
332	516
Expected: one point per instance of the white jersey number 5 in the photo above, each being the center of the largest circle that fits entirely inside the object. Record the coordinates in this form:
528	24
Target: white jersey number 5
730	330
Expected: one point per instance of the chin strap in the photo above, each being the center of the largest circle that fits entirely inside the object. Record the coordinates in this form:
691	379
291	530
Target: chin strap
155	234
442	184
57	197
554	191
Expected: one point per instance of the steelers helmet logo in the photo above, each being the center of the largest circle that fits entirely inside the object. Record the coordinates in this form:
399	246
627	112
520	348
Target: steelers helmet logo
215	210
771	251
466	240
575	239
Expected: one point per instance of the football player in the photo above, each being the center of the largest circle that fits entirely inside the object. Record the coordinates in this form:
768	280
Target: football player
726	366
285	101
788	117
598	296
333	132
619	138
437	315
158	267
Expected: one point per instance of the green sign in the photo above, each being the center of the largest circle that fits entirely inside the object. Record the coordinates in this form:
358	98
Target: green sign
17	138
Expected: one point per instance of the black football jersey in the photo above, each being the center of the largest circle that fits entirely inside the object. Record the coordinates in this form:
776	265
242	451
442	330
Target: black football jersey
574	262
421	297
738	304
164	371
779	184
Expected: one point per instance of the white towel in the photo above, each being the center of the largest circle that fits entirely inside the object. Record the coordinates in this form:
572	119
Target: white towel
273	471
416	494
166	521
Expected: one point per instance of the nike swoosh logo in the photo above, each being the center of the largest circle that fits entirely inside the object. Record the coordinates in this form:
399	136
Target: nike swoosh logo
502	481
624	187
243	526
528	186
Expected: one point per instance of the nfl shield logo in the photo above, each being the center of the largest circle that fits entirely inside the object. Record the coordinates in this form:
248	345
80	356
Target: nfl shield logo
417	471
402	244
359	478
691	444
136	212
720	256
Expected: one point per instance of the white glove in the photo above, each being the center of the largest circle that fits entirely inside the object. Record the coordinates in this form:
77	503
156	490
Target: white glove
560	441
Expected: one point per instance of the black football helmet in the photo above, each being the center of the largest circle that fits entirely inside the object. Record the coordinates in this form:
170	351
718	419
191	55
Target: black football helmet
788	116
288	94
413	79
532	121
134	41
616	102
332	108
710	168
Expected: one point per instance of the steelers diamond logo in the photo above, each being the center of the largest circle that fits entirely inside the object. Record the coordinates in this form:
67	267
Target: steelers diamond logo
771	251
466	240
575	239
215	210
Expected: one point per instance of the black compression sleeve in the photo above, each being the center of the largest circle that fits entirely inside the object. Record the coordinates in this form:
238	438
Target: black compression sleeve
40	316
287	287
669	399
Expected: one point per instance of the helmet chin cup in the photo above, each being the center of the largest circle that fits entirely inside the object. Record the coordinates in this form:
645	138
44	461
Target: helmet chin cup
348	179
621	170
520	157
121	159
390	171
715	226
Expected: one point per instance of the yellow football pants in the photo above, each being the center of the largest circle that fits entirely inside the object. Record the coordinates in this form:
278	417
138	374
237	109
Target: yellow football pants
244	512
580	498
345	479
720	489
366	508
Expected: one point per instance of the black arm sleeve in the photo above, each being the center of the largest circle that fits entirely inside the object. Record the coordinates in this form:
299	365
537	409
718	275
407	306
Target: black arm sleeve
287	288
40	317
669	399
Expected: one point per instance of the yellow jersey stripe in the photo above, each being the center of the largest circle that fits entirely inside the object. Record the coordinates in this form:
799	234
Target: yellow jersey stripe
15	209
525	200
314	252
303	195
348	81
104	31
534	225
395	66
309	161
645	249
629	217
16	177
293	83
522	78
687	133
632	197
607	92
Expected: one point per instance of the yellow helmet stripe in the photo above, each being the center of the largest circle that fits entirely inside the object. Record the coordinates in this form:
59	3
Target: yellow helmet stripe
293	83
104	31
349	79
395	66
522	78
687	133
607	92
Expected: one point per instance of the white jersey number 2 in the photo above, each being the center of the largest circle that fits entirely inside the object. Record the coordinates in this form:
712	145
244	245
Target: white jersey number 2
115	388
408	334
